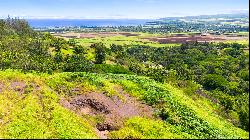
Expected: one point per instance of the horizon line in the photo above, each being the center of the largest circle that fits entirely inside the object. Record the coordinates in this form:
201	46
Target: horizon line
115	18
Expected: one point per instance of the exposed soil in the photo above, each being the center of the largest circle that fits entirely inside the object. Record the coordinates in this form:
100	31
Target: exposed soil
183	39
176	38
193	38
113	109
1	86
18	86
129	34
35	86
180	35
201	93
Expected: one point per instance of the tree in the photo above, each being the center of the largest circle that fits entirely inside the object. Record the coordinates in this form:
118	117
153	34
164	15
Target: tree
77	62
100	52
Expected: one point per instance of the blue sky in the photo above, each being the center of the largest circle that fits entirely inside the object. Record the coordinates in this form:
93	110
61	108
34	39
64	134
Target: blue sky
109	9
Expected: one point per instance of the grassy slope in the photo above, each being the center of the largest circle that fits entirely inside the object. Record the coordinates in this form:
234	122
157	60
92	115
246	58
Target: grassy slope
35	112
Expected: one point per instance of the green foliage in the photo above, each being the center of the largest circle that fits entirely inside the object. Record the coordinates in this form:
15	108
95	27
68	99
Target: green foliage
213	81
106	68
77	61
67	125
142	128
100	52
182	117
38	114
28	50
72	42
214	66
244	74
244	117
243	111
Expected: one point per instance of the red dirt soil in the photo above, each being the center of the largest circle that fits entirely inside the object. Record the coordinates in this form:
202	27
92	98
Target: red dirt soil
113	109
18	86
186	38
1	86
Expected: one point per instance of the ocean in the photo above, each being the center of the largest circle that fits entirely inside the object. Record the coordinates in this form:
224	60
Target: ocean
43	23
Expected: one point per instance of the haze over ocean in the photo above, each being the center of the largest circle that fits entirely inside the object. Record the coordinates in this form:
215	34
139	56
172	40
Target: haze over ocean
41	23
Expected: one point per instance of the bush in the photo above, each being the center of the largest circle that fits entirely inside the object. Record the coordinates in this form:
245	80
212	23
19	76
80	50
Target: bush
213	81
106	68
244	74
142	128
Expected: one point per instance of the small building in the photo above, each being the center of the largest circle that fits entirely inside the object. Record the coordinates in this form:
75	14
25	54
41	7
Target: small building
205	34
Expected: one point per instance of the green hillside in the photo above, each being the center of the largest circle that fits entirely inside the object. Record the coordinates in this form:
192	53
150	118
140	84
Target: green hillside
31	108
56	88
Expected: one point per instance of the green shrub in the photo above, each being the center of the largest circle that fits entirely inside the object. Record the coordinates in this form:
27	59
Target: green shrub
106	68
213	81
142	128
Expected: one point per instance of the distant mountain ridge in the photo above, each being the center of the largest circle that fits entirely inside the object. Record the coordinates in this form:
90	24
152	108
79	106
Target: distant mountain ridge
236	15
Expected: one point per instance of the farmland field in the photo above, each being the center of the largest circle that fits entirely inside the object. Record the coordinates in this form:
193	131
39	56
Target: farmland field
154	40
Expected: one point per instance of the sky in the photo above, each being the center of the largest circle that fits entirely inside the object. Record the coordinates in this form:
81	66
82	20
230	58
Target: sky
116	9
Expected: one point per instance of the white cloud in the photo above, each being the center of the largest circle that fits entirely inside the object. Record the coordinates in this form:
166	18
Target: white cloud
240	11
234	11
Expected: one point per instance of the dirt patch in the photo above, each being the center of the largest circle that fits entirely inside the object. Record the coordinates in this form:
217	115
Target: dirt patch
35	86
18	86
128	34
193	38
22	88
88	35
114	110
184	39
202	94
1	86
86	103
179	35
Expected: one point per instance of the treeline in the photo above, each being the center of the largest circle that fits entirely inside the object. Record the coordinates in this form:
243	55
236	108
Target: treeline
23	48
175	27
181	26
164	26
